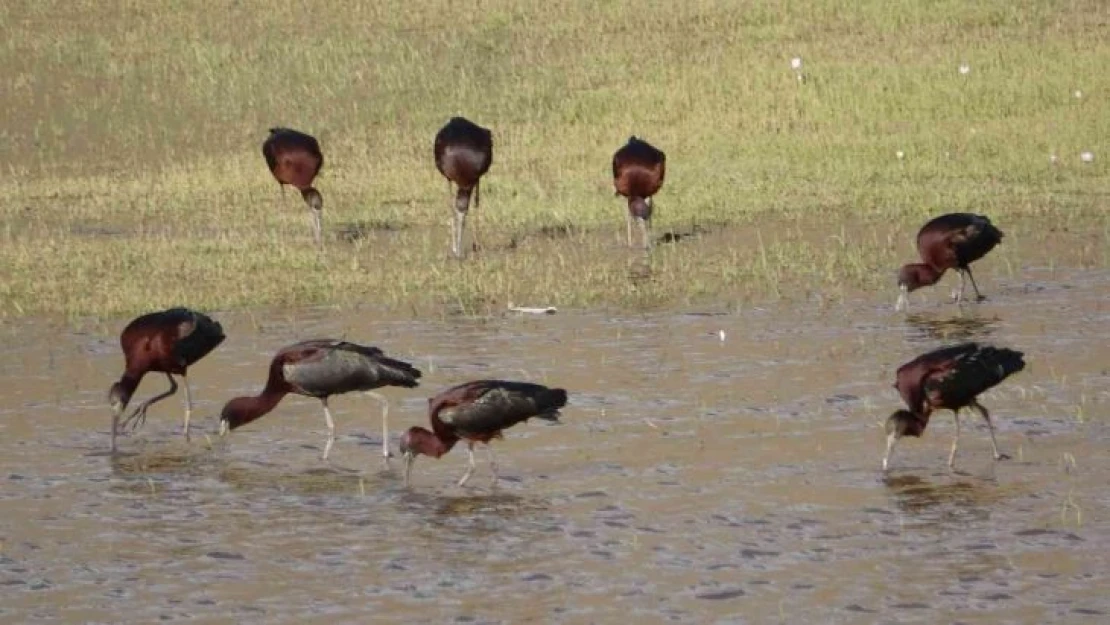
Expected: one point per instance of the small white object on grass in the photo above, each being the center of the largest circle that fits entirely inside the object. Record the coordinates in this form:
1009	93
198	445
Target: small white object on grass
965	69
1087	157
796	63
900	154
1052	158
1078	94
532	310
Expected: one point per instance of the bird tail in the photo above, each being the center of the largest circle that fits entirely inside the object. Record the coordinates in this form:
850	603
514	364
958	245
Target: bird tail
549	401
977	372
400	373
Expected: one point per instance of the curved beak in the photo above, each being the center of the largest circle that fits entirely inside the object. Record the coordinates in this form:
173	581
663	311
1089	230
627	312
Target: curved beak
409	459
903	298
223	428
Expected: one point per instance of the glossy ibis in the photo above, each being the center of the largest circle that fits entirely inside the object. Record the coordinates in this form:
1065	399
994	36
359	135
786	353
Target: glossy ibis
951	241
478	411
322	368
638	170
295	158
165	342
464	153
948	378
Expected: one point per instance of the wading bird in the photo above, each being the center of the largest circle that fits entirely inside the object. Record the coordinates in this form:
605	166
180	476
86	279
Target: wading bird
951	241
948	378
295	158
464	153
320	369
638	170
477	412
167	342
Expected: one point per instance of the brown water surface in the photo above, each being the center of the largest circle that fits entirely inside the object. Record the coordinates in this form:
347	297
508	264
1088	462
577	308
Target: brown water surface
693	479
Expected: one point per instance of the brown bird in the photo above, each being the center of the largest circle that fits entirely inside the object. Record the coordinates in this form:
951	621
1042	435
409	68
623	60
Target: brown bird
477	412
164	342
463	153
948	378
638	171
951	241
322	368
295	158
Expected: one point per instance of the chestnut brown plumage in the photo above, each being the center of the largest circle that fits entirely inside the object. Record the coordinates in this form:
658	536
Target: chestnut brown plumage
463	154
294	158
951	241
948	378
477	412
638	171
169	342
322	368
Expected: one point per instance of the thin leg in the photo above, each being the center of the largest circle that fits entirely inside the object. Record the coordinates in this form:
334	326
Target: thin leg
386	454
317	227
971	276
645	231
469	463
477	244
492	465
629	220
990	428
188	403
903	302
958	293
955	441
460	227
137	418
331	428
115	429
891	439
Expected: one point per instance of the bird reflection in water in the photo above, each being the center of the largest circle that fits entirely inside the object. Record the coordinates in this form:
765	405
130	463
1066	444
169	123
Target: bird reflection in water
965	326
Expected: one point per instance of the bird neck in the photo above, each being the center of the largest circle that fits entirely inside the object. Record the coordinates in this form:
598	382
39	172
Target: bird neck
128	382
917	275
251	408
435	444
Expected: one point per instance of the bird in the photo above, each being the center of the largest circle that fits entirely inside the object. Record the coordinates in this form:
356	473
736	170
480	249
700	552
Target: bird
295	158
951	241
478	411
948	378
321	368
463	153
638	170
169	342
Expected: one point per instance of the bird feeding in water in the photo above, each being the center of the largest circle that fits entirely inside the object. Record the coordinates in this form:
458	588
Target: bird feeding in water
638	172
294	158
951	241
169	342
949	378
477	412
322	368
463	154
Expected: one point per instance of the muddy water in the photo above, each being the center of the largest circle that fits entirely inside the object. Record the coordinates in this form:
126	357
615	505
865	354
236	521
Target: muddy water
694	479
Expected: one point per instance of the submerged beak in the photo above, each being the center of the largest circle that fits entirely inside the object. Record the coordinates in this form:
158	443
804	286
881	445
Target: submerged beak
409	459
644	232
903	298
223	428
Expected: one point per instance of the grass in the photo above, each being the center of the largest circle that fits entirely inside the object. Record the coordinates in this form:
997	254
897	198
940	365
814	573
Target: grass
133	178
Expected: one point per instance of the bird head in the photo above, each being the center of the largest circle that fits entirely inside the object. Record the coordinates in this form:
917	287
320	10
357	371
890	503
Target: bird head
118	398
234	414
903	423
313	198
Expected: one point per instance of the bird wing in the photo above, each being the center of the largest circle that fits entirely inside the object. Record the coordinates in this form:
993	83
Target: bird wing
971	373
493	406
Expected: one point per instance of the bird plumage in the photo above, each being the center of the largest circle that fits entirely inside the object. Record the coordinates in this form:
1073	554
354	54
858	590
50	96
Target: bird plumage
949	378
321	368
463	153
951	241
168	342
639	169
294	158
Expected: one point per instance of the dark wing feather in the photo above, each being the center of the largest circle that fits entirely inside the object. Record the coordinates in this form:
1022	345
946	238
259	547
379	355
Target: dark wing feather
198	334
493	405
323	368
972	373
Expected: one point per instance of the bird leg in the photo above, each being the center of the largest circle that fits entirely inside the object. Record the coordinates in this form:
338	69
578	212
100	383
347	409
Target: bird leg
386	454
958	294
645	231
629	220
978	296
458	226
903	298
331	428
469	463
891	439
317	227
188	403
409	459
137	418
955	441
990	428
492	466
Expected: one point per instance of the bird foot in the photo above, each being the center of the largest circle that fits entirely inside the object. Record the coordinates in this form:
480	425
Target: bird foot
134	421
1001	457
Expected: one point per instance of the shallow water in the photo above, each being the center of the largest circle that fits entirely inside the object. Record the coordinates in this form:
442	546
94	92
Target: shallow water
693	479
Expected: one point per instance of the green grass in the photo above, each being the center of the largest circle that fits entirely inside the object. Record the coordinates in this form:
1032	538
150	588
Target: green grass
132	177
